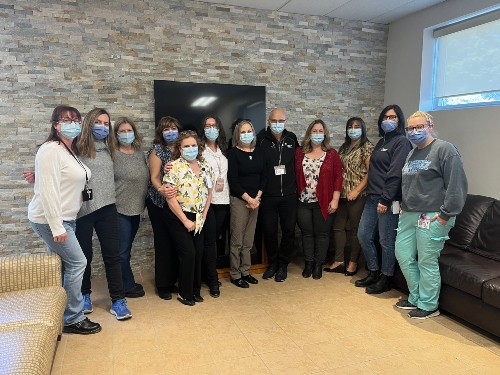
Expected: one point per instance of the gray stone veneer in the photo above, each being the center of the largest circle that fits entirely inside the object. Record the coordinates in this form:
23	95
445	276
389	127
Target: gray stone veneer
108	53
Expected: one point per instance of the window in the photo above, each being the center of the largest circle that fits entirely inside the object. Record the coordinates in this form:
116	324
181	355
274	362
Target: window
467	63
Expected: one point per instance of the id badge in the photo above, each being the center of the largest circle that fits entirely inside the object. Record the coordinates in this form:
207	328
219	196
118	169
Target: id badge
87	194
219	184
279	170
395	207
424	222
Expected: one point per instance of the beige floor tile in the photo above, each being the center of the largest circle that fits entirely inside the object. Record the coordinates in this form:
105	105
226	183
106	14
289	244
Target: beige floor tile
269	340
255	321
185	354
149	362
177	331
288	314
61	348
217	328
292	361
436	361
307	333
341	325
84	347
367	347
127	341
330	354
95	366
209	369
357	369
206	311
252	365
395	364
229	347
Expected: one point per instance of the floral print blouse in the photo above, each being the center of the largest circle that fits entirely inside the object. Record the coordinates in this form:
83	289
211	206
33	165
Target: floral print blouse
311	169
192	190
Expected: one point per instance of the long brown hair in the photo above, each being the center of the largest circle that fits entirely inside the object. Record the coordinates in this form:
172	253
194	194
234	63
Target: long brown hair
57	115
306	142
137	143
176	154
221	139
164	123
85	141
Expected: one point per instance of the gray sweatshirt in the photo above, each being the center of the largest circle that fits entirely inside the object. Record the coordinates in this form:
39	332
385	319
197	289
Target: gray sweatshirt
434	180
131	182
102	181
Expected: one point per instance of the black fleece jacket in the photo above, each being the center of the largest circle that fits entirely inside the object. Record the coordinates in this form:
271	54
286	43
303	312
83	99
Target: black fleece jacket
386	165
279	153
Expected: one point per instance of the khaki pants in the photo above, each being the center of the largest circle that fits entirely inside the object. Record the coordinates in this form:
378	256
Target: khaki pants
243	221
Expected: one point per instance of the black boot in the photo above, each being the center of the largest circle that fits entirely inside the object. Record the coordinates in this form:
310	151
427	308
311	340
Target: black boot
371	279
308	268
317	271
382	285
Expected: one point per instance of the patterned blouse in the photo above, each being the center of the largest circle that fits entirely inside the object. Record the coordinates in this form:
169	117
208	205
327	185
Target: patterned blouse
354	167
311	169
165	156
192	190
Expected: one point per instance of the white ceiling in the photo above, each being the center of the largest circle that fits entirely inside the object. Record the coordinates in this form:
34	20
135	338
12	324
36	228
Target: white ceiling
377	11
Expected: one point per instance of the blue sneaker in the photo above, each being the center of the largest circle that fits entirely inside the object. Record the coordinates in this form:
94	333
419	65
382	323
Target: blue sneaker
119	309
87	304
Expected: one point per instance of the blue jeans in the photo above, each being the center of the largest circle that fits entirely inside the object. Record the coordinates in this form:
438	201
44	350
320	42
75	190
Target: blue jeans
74	263
386	225
128	226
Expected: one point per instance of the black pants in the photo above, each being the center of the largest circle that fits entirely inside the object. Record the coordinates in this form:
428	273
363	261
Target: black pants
284	209
315	231
212	229
166	259
190	250
105	223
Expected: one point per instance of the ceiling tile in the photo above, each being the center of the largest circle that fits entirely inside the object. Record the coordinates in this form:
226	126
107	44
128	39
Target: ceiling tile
315	7
365	10
405	10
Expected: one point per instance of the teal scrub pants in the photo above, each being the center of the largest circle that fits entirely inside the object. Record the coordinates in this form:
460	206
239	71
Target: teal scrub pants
417	252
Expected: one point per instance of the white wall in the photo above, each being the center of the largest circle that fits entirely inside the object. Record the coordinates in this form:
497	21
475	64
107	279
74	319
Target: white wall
475	131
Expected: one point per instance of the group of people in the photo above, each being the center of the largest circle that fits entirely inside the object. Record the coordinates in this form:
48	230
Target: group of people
89	176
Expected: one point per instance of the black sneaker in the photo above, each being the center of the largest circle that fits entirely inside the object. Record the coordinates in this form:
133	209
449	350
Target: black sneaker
214	289
422	314
85	327
281	274
164	293
270	272
250	279
136	292
404	304
240	283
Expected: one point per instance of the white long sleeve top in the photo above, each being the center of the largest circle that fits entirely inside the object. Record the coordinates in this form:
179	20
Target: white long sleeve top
59	183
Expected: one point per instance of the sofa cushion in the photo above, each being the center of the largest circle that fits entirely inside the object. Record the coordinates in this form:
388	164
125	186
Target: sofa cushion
491	292
27	350
486	242
33	307
466	271
466	224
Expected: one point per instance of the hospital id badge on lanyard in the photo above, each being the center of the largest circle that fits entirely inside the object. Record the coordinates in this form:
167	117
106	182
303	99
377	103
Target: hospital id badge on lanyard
279	170
423	222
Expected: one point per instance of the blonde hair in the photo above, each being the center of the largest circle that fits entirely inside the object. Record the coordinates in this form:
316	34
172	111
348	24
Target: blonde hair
306	142
426	115
236	134
137	143
85	141
177	152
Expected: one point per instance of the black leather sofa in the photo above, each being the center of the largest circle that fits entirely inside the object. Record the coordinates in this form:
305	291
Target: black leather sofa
470	265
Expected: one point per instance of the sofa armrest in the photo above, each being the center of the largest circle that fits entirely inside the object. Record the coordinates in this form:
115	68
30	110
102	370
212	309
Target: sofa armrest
28	271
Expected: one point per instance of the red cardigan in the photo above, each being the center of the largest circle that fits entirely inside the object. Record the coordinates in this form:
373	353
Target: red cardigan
330	177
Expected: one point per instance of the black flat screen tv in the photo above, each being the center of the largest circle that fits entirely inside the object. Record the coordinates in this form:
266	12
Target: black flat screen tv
228	102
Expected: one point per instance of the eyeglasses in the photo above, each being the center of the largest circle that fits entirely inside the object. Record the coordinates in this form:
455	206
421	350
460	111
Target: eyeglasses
390	117
66	121
411	129
277	121
210	126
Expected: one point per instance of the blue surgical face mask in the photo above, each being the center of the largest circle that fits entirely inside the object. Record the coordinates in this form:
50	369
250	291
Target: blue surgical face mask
211	134
277	128
388	125
354	133
70	131
170	136
246	138
100	131
317	138
190	153
126	138
418	136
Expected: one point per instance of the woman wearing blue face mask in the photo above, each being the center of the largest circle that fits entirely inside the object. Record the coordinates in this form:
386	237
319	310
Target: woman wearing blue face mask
355	155
97	147
131	184
318	172
160	153
247	178
61	178
434	191
380	214
213	137
186	212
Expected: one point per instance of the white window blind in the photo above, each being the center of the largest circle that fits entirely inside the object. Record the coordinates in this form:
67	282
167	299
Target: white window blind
468	61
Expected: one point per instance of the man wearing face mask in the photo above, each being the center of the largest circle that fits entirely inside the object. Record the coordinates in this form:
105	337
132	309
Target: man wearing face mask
434	166
279	200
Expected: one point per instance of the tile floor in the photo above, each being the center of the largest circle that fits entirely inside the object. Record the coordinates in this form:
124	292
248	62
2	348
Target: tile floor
301	326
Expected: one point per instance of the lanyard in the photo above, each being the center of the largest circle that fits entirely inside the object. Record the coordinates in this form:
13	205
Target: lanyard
78	161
